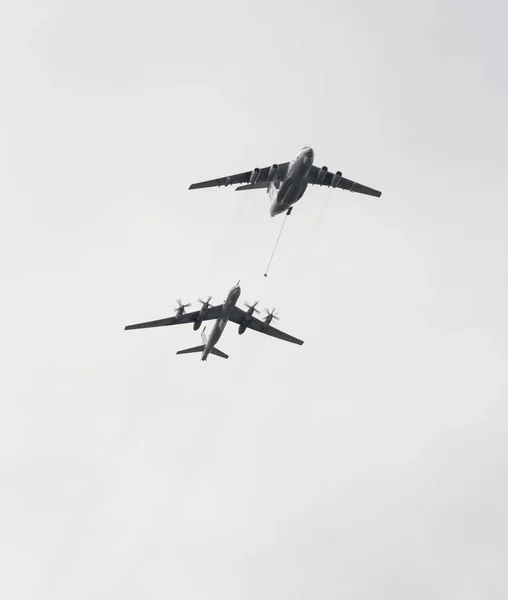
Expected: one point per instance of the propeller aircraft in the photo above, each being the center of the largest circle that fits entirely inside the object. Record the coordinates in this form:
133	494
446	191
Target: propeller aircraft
222	313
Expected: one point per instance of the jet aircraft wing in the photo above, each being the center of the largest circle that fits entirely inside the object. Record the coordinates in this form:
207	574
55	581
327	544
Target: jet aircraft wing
344	184
238	315
241	178
212	313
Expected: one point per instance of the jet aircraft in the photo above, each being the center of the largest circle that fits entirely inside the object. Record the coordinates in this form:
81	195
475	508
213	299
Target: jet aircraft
228	311
286	182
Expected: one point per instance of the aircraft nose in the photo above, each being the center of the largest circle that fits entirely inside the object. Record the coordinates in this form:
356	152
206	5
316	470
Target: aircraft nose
308	156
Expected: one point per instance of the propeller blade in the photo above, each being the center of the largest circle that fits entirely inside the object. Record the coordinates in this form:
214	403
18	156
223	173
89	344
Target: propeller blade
252	306
271	314
181	307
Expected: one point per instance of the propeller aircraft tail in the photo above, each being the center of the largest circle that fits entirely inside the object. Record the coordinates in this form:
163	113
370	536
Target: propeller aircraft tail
191	350
218	353
213	351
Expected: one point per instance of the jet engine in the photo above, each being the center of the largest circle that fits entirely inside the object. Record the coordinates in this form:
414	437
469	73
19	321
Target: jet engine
273	172
336	179
254	176
322	174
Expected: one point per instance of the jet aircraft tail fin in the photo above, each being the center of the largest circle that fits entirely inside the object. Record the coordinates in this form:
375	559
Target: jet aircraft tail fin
191	350
218	353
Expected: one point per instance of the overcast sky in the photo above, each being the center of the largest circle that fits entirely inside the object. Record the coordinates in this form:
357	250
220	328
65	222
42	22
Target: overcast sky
370	463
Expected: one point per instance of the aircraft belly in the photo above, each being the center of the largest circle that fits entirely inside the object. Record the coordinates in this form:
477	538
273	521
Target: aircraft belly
288	193
291	189
217	330
214	335
302	189
298	170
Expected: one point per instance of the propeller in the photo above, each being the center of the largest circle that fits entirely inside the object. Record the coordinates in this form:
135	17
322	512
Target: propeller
252	308
181	307
271	315
205	303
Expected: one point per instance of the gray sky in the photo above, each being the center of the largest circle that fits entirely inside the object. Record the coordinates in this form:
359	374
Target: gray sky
370	463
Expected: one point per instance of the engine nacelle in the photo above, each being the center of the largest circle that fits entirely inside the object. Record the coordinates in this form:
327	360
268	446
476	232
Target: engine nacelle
254	176
197	323
322	174
242	328
336	179
273	172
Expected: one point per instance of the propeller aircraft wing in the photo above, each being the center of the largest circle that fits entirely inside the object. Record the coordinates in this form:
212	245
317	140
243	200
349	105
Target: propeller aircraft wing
238	316
212	313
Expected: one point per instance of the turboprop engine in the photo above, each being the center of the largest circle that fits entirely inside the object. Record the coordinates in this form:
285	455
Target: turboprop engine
248	317
180	310
269	316
202	313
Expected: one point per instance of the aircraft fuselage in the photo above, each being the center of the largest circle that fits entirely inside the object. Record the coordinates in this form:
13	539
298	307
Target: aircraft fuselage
222	321
285	193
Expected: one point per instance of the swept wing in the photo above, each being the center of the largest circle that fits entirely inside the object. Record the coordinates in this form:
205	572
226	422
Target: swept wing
243	178
344	184
212	313
238	316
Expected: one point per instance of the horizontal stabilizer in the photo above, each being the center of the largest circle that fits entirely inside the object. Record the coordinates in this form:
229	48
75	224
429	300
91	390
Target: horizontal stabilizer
191	350
218	353
261	185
